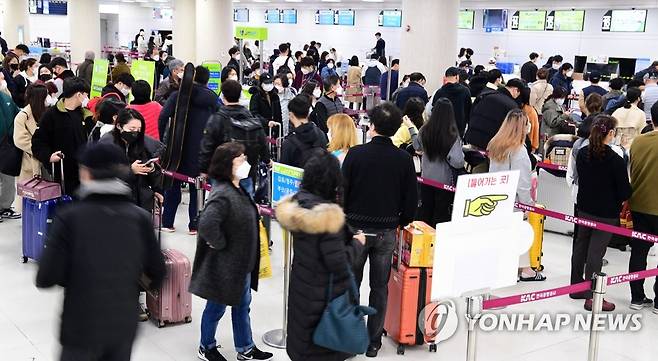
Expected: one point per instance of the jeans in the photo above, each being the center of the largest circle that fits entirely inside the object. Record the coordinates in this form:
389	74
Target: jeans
646	223
588	250
105	353
239	317
172	198
379	250
7	191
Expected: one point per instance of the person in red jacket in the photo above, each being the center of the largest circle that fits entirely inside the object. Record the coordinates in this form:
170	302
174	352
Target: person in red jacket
149	109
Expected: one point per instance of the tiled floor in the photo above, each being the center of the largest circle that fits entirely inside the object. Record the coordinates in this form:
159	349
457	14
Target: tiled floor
29	318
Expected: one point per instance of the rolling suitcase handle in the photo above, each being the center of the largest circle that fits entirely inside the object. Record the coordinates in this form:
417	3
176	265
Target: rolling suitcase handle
61	172
275	148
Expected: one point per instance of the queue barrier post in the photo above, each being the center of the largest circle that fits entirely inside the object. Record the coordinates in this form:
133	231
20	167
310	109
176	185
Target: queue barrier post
599	283
473	311
200	194
277	338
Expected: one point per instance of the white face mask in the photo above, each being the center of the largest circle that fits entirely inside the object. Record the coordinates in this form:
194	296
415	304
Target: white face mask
405	84
156	57
556	66
85	101
236	56
125	91
559	101
279	88
305	71
48	100
330	65
316	93
243	171
233	77
268	87
339	91
569	73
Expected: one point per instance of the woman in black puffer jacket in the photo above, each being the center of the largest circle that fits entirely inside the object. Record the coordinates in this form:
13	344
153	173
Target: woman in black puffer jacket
322	245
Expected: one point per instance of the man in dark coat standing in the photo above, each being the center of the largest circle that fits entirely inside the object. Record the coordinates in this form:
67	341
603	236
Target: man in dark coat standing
380	47
459	96
529	69
98	249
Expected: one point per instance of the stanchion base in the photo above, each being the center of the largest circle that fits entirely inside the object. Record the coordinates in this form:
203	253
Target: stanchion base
275	338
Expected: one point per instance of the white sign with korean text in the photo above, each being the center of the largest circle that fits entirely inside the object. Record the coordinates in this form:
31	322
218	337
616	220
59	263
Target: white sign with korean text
485	194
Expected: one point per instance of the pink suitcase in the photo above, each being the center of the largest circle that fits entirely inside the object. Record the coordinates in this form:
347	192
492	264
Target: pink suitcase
172	303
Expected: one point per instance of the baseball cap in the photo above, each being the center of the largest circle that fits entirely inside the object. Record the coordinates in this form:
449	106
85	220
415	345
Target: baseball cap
594	76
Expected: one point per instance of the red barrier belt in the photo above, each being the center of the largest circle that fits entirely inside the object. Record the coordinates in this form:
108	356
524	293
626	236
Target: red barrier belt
634	276
552	166
536	296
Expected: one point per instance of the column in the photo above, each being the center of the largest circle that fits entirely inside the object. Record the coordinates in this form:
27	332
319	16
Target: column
214	30
430	44
16	17
85	28
184	30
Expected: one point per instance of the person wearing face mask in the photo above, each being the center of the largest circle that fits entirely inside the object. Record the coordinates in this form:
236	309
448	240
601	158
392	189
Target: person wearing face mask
234	53
86	68
148	108
128	134
121	86
556	120
329	69
286	93
22	80
228	236
553	65
308	71
416	88
105	116
154	56
63	130
121	66
8	112
25	124
562	79
61	72
45	73
171	83
10	68
265	104
529	69
329	103
305	135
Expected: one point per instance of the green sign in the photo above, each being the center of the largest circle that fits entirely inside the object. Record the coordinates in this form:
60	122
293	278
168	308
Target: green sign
466	19
144	70
248	32
215	69
532	20
98	77
568	20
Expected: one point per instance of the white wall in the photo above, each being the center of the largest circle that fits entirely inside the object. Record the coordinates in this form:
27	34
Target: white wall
53	27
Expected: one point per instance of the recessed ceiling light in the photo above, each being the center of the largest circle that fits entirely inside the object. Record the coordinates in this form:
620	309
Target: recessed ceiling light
330	1
373	1
261	1
142	1
294	1
127	1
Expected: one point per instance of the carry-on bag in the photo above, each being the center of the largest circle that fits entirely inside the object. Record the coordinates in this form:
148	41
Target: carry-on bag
537	222
39	206
172	303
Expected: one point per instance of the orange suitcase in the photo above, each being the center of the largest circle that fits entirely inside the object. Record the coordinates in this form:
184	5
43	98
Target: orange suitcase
409	291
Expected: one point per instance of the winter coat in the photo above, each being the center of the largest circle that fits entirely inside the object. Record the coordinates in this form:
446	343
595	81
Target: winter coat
414	90
539	92
553	118
143	187
354	85
21	82
460	97
24	127
301	79
263	108
66	131
100	277
561	81
307	135
151	112
322	245
487	115
325	108
228	247
85	70
529	72
166	88
203	104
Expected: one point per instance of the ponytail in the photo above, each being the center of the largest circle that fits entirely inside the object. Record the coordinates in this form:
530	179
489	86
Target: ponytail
632	95
601	126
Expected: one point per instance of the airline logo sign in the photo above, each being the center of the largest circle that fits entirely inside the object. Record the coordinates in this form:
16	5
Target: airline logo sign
248	32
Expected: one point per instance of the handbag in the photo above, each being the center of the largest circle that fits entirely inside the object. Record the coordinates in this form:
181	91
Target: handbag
12	157
342	326
39	189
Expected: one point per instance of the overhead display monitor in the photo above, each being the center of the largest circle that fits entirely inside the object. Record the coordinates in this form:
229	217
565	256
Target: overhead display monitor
47	7
163	13
241	15
289	16
466	19
529	20
565	20
344	17
390	18
624	21
494	20
272	16
324	17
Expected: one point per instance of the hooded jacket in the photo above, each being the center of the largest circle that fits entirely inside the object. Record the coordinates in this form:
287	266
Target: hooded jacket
295	147
488	113
323	245
97	249
460	97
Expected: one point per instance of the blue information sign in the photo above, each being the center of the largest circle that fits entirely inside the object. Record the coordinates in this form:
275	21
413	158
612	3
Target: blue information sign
324	17
289	16
285	181
345	17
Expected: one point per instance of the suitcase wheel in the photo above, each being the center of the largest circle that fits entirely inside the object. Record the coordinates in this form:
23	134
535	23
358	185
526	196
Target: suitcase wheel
384	333
161	324
400	350
24	259
188	319
433	347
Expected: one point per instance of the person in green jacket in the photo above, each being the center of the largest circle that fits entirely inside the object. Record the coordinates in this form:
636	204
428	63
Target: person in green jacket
555	119
8	111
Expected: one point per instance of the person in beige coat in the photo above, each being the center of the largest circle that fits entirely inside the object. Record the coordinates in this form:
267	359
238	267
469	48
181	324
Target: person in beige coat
354	84
25	124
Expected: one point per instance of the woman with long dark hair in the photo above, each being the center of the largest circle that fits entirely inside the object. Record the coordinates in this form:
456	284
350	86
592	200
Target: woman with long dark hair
354	84
602	188
323	246
128	134
27	76
25	124
441	145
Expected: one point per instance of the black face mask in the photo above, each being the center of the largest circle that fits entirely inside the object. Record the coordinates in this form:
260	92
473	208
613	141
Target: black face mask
129	137
13	67
45	77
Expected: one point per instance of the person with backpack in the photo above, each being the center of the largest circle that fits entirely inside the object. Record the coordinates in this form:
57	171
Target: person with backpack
308	71
265	104
372	72
234	123
284	63
305	136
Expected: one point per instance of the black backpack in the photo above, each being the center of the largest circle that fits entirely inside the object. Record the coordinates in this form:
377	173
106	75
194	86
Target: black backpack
372	76
247	132
285	69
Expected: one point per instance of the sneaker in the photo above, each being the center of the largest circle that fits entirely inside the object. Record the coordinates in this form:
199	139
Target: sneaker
168	230
143	314
192	232
655	309
10	214
372	351
538	277
607	306
254	354
638	305
210	355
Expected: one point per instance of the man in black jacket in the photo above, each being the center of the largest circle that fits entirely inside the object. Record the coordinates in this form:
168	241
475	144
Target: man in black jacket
306	135
97	249
380	46
329	103
459	96
219	130
489	111
529	69
121	86
380	196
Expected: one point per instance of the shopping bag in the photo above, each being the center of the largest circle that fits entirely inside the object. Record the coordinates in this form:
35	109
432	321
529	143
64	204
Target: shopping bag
265	270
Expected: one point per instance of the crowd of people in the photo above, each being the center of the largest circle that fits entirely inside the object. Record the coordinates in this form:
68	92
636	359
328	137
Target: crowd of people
108	149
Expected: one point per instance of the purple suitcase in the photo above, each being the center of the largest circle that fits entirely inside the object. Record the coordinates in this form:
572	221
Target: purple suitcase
172	303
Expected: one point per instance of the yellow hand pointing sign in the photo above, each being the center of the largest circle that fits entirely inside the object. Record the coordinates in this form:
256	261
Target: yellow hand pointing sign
483	205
